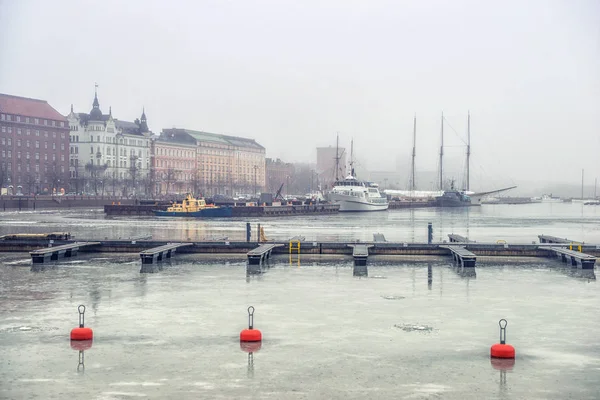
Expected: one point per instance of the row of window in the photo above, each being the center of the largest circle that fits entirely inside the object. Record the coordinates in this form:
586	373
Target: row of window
28	144
28	120
19	131
8	154
28	168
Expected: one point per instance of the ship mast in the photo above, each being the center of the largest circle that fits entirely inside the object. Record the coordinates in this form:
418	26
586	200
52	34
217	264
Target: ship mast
414	153
468	148
352	157
337	156
442	156
582	184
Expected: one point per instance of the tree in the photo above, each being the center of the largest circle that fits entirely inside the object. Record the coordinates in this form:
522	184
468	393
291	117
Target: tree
196	183
54	177
3	174
134	171
30	180
96	173
169	178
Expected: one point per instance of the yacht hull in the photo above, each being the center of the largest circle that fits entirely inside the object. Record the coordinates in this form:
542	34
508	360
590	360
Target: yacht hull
353	204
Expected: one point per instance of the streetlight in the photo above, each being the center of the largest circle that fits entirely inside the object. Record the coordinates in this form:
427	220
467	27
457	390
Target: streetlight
255	169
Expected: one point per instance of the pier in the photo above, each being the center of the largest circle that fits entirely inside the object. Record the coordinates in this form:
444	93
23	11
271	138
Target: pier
462	256
360	253
557	240
574	258
160	253
454	238
40	256
258	255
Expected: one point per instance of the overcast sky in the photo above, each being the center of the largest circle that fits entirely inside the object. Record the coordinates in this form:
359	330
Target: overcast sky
291	74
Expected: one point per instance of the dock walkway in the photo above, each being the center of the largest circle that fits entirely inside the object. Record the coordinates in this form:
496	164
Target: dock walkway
161	252
258	255
40	256
574	258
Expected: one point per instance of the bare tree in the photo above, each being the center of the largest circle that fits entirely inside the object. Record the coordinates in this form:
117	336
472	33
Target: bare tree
30	180
169	178
196	183
96	173
134	172
54	177
3	174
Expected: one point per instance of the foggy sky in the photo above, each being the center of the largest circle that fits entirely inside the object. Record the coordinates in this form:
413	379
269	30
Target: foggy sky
291	74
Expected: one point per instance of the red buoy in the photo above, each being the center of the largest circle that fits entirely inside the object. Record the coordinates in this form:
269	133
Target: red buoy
81	333
250	334
502	350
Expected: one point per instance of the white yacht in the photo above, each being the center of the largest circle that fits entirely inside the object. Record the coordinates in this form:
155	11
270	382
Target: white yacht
354	195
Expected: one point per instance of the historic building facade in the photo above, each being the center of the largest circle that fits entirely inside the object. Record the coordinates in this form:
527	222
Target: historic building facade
173	164
225	164
279	173
108	155
34	147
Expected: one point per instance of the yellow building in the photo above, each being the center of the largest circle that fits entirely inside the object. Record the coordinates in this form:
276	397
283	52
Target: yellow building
227	165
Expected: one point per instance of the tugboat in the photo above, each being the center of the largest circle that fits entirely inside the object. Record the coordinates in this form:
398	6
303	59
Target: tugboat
193	207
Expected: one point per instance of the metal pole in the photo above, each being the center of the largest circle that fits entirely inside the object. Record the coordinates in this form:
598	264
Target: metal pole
468	148
442	156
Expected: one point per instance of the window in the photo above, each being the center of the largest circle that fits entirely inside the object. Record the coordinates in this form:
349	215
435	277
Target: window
3	142
54	135
62	157
8	117
53	123
18	154
3	129
36	121
26	120
18	142
37	168
62	146
37	132
37	156
53	157
9	141
18	131
28	132
27	155
2	117
45	145
53	146
91	138
92	150
18	118
9	154
62	135
27	143
37	144
45	122
9	129
62	124
45	156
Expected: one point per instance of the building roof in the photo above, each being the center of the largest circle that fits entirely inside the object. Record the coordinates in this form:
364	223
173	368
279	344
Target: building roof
176	137
218	138
130	128
25	106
